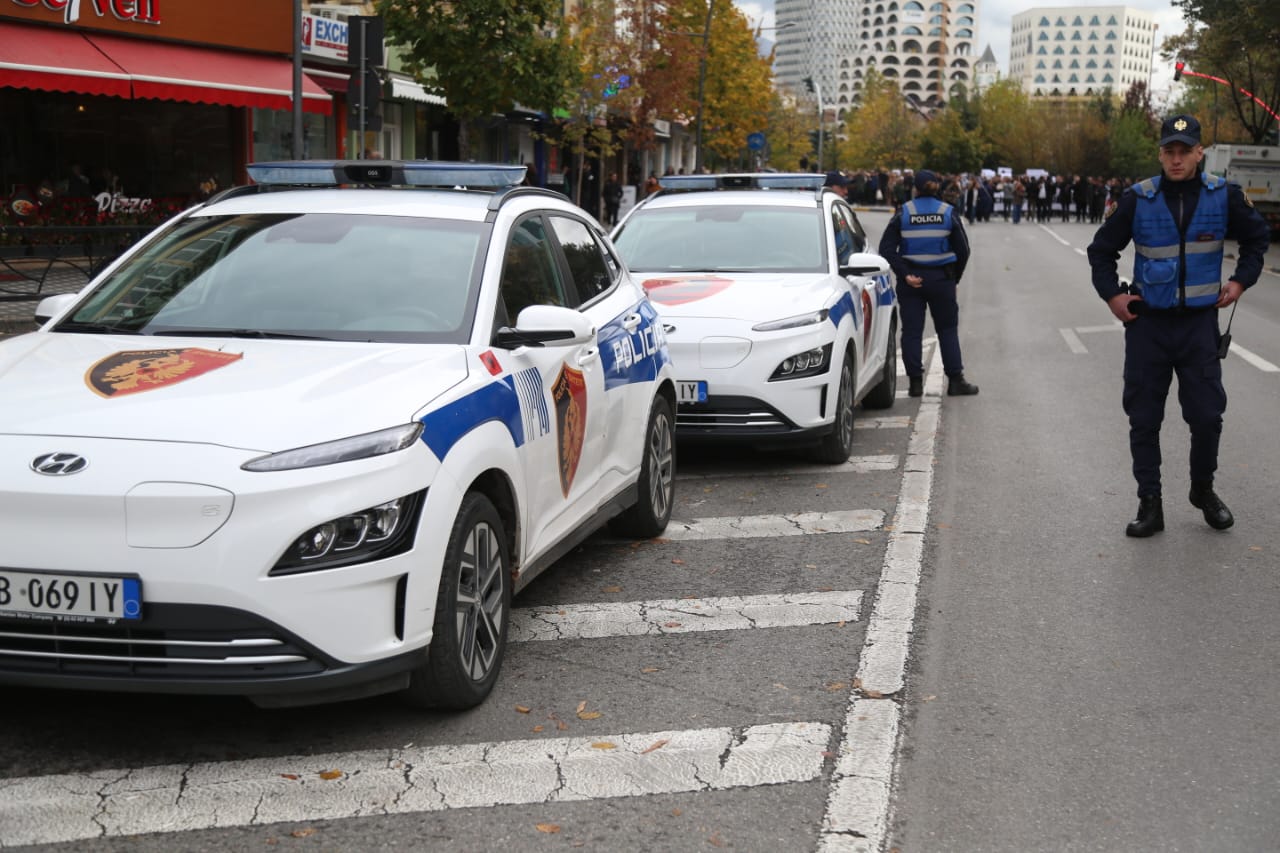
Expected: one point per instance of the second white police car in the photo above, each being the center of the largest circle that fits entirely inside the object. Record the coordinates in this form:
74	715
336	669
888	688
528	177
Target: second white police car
779	319
304	443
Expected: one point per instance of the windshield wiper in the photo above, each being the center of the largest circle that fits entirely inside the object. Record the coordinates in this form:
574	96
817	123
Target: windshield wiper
206	332
94	328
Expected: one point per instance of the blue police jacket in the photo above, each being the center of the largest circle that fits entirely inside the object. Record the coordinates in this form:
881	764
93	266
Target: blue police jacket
1160	248
926	229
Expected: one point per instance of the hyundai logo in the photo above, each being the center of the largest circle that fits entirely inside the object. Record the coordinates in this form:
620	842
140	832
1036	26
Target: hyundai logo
59	464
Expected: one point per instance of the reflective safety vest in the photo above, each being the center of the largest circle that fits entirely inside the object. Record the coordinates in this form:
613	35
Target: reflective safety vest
1160	249
926	232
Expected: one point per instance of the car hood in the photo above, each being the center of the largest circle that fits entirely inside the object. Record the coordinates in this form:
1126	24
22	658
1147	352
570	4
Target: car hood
255	394
750	297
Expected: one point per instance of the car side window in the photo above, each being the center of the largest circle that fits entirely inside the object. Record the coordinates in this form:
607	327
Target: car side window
588	265
859	235
530	273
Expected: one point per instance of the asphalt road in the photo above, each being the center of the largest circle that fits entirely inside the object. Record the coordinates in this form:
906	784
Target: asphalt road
1067	688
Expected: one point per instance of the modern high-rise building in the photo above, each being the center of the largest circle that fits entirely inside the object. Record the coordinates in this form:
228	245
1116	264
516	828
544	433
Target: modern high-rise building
925	46
1080	51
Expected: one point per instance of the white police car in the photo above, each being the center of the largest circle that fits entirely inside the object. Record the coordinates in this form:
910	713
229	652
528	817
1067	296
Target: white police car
778	317
303	444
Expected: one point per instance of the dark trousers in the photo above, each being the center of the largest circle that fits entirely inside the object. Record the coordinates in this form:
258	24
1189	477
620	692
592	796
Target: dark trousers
939	297
1156	346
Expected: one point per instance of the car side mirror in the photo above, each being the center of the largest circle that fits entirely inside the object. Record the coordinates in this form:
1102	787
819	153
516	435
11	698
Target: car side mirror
547	325
52	306
863	264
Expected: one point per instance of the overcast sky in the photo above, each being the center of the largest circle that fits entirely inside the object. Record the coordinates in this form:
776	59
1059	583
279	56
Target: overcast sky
995	17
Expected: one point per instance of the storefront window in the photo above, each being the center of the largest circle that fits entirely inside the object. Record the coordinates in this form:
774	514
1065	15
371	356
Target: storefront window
273	136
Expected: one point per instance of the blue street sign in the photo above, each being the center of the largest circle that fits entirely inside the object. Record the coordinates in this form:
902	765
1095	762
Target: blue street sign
755	141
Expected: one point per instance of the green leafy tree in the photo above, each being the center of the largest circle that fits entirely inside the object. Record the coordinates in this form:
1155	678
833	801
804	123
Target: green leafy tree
1237	41
788	132
947	146
1012	131
1132	147
485	56
884	131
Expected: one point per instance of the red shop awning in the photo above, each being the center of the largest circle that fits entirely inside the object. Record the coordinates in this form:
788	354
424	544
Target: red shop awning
54	60
173	72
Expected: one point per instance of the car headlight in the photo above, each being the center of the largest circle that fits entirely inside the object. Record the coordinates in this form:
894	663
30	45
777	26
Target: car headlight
811	362
810	319
343	450
370	534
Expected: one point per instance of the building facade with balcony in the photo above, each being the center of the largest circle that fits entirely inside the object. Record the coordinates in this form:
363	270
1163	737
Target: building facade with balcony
925	46
1081	51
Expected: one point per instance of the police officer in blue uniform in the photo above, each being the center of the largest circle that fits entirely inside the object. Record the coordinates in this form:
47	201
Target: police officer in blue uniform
928	250
1178	222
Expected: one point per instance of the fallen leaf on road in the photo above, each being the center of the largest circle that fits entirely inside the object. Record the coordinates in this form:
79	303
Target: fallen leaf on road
292	777
612	589
589	715
671	624
863	541
857	684
928	698
677	561
833	686
657	744
538	727
523	709
331	774
1255	547
604	744
820	486
840	624
303	833
650	669
676	812
549	828
873	694
582	706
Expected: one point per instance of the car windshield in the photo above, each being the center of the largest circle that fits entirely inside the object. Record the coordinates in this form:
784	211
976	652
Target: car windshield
724	238
312	275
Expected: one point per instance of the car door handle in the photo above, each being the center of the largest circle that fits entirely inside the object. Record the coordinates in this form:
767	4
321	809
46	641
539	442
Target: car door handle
588	355
632	322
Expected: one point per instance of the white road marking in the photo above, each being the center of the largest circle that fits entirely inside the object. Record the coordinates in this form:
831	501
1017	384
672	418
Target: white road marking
1073	341
760	526
1080	251
858	803
683	615
1054	235
1115	326
1256	360
183	797
854	465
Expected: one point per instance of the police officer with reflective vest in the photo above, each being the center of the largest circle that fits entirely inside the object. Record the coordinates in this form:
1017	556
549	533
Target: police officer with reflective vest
1178	222
927	248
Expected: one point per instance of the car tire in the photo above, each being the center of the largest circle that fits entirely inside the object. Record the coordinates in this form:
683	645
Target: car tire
649	515
473	609
886	390
837	445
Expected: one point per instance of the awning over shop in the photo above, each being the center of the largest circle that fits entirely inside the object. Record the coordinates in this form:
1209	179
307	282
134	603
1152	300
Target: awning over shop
57	61
63	60
330	81
173	72
411	90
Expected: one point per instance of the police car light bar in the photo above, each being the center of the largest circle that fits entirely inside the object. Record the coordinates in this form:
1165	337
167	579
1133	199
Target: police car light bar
761	180
412	173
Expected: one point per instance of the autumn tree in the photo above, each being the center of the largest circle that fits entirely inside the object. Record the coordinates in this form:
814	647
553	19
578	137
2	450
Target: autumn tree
883	132
788	132
1012	131
1239	42
485	56
947	146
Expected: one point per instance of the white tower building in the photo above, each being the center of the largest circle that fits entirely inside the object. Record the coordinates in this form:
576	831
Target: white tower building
1080	51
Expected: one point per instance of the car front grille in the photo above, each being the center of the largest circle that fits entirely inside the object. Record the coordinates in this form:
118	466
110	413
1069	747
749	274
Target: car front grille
174	641
730	416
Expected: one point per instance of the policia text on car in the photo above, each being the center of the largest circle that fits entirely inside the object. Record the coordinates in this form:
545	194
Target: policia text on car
1178	222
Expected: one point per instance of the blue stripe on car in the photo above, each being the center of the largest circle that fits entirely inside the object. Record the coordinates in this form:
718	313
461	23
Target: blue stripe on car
497	401
843	306
636	356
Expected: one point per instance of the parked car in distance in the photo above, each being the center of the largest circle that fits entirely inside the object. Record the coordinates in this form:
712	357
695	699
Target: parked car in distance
304	441
779	318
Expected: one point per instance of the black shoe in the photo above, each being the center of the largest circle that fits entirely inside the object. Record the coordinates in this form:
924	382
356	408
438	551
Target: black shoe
1150	518
1215	511
916	386
957	387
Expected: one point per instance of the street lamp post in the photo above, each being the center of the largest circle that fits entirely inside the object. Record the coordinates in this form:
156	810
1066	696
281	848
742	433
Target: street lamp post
816	88
702	88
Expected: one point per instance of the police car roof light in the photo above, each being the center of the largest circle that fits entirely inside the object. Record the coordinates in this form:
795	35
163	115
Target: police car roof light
763	181
413	173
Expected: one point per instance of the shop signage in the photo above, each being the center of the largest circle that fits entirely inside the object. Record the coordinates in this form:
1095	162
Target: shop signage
324	37
138	11
114	203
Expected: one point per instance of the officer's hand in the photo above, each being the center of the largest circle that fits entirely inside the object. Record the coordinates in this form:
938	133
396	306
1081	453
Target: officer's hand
915	280
1230	293
1119	305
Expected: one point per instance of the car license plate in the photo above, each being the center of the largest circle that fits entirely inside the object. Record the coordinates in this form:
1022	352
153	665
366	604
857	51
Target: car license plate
80	598
691	392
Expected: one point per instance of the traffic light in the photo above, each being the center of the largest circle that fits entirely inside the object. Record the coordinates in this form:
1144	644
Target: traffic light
1177	70
808	83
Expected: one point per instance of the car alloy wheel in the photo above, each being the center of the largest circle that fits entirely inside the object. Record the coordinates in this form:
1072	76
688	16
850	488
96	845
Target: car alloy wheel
656	486
836	445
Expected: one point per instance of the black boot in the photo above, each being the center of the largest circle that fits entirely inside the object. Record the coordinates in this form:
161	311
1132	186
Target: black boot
957	387
1215	511
916	386
1150	517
